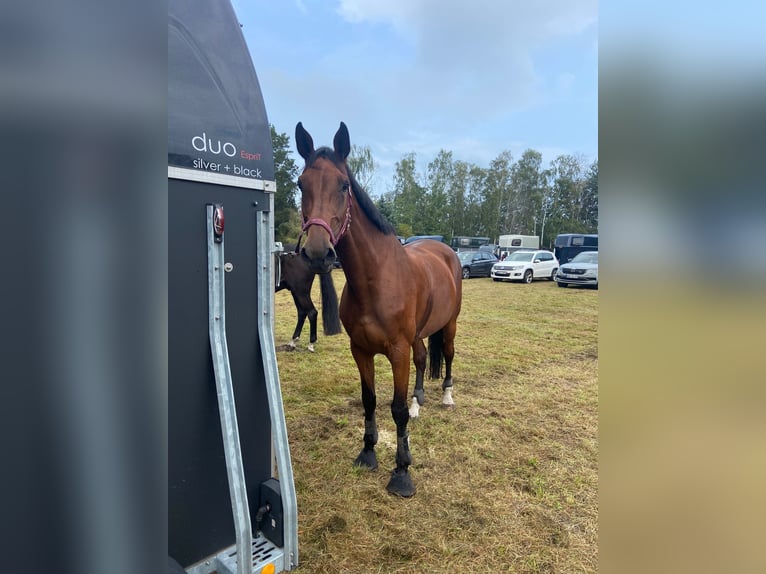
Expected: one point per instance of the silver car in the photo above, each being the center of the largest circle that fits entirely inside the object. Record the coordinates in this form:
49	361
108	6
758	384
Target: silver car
581	270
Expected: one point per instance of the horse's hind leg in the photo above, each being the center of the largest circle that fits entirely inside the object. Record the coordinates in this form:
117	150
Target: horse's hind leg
449	353
418	395
366	366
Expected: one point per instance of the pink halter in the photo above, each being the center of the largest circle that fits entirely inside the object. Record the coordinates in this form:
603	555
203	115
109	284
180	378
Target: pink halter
324	225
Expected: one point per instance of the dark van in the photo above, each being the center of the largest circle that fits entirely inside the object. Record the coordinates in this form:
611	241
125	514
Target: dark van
567	245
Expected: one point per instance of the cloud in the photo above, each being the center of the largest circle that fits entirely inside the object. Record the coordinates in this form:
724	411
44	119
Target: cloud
420	76
477	55
301	7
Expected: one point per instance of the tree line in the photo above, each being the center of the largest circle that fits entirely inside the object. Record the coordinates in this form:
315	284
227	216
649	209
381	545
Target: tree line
453	197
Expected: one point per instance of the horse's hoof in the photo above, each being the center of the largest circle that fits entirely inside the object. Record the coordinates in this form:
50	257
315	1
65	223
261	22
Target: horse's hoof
401	484
367	459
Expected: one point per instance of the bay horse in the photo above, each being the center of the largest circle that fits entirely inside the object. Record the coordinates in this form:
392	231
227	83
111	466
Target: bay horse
395	296
295	276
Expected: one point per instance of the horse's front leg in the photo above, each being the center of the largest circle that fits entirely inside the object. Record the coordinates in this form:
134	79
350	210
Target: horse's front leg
401	483
312	315
366	365
299	324
418	395
306	310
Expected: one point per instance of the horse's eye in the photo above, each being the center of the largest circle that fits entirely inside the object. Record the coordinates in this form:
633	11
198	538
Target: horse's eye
345	187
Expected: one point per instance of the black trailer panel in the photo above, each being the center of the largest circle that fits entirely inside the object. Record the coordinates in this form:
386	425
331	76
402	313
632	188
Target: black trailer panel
220	153
199	508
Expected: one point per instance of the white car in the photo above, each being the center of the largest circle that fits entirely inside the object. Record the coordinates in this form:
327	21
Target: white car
526	265
580	270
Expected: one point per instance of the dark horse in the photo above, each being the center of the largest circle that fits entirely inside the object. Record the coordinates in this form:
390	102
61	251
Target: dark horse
295	275
395	295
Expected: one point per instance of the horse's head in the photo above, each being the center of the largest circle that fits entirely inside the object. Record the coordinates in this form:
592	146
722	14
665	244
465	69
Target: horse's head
326	197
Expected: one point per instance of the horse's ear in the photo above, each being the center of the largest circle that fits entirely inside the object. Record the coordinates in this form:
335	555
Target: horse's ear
303	141
341	142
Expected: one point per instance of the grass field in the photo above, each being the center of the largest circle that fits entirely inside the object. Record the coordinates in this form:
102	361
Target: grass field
506	482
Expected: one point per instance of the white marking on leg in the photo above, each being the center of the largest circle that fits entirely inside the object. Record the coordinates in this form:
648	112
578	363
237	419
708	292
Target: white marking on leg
447	397
311	347
414	408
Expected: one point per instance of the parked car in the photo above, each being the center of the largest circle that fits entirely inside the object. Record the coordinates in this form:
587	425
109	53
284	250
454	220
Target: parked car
477	263
526	265
581	270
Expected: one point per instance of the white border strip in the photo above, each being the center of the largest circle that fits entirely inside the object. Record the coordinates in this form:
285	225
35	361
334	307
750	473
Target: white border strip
220	179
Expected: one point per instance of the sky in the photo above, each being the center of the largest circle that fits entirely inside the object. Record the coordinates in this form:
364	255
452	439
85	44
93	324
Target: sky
474	78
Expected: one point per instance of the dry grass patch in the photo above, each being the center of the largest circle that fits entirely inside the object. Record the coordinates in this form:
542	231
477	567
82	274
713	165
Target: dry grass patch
507	481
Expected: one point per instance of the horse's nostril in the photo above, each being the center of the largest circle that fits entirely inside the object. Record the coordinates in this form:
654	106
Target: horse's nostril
331	254
304	255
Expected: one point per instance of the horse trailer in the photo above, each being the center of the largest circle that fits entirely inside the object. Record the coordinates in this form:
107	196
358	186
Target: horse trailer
466	243
227	438
419	237
510	243
567	245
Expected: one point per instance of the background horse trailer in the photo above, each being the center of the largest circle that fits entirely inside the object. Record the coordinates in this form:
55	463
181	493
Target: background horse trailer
567	245
226	511
511	243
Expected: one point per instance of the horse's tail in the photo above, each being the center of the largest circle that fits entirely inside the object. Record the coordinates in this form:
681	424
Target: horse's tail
436	353
330	317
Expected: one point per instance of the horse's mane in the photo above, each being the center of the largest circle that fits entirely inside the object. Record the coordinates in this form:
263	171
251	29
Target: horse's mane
360	195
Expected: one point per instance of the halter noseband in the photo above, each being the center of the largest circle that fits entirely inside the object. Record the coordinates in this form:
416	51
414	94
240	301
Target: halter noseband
324	225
